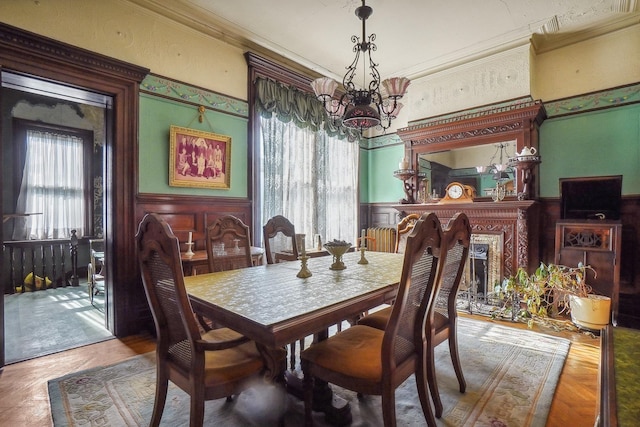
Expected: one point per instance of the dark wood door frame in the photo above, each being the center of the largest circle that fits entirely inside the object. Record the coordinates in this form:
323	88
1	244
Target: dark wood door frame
48	59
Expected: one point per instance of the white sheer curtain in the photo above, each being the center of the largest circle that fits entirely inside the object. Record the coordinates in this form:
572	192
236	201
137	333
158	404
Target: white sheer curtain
311	179
52	186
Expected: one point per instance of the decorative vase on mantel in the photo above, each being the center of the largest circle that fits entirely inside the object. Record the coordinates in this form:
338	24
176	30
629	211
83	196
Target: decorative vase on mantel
524	162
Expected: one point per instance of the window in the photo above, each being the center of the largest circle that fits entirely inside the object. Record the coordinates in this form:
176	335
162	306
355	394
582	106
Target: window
55	166
309	177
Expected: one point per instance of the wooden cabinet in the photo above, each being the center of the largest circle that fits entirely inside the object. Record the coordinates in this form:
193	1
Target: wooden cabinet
594	243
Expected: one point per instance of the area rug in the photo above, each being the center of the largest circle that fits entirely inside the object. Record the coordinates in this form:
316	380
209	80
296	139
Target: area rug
511	377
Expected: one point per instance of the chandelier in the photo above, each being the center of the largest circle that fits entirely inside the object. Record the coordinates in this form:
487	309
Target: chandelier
362	108
500	168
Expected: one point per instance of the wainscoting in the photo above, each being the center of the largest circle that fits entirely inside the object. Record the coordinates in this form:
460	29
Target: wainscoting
193	214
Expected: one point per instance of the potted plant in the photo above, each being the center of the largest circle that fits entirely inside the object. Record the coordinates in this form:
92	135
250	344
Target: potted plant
554	289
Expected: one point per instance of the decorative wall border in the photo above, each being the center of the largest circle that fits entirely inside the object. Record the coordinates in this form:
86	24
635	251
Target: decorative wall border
380	141
183	92
474	113
614	97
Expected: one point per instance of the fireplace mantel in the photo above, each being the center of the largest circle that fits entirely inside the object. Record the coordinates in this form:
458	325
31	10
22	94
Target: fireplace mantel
516	221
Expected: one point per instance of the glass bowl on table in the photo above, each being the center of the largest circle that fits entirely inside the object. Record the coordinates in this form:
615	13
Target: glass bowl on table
337	248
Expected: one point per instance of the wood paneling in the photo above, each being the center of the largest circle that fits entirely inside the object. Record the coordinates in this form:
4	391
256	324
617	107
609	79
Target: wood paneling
549	214
193	214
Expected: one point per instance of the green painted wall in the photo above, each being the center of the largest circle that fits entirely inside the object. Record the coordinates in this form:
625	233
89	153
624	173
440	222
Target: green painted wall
380	184
605	142
157	114
363	183
592	143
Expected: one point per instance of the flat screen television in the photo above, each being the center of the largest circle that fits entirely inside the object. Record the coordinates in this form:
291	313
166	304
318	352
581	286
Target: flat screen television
592	197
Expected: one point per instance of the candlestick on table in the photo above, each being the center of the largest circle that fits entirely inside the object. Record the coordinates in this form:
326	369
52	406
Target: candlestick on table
304	270
363	260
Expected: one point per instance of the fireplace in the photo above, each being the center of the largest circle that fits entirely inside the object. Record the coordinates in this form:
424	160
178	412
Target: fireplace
482	273
516	222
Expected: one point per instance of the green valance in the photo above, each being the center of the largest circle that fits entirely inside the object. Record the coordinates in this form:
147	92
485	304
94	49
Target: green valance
291	104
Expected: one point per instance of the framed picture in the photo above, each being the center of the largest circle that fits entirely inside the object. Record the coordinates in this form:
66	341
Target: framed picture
199	159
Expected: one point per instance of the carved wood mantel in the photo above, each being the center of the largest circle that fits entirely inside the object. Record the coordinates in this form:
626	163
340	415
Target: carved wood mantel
518	120
516	221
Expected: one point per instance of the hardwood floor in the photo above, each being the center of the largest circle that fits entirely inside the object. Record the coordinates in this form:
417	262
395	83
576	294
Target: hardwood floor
576	397
25	401
23	385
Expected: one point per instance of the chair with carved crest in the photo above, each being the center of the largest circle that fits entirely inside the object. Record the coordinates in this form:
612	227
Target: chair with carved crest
403	229
207	366
372	361
228	244
442	325
228	248
280	240
280	244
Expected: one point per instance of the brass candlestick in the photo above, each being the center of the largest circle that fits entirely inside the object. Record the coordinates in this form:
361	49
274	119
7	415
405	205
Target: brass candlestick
363	260
304	271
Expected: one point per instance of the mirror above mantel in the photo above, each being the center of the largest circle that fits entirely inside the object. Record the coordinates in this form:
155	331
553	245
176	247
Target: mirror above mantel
475	166
465	140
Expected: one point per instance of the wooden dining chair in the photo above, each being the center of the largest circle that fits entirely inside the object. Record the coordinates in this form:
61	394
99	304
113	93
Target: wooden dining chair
441	326
279	236
207	366
280	244
228	244
403	229
371	361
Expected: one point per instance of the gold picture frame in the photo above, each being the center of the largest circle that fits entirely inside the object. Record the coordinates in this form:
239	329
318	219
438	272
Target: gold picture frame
199	159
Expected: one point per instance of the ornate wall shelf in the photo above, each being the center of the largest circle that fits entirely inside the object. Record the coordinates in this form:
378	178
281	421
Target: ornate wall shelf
409	178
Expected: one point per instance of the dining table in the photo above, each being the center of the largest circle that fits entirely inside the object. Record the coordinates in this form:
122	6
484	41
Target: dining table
272	306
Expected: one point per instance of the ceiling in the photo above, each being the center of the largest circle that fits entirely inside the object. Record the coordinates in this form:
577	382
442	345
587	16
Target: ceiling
414	38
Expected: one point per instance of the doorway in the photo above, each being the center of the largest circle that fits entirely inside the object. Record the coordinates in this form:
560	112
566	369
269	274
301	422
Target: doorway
26	53
64	315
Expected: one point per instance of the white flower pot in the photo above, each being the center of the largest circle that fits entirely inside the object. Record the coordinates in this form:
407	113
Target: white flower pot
591	312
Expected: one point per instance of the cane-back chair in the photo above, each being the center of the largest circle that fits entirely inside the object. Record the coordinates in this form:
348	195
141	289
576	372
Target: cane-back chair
208	366
373	361
403	229
441	326
280	244
279	240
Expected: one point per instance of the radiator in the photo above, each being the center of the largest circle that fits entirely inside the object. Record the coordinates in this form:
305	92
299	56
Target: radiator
381	239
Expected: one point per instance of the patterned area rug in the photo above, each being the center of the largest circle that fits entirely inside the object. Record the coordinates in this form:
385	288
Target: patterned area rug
511	378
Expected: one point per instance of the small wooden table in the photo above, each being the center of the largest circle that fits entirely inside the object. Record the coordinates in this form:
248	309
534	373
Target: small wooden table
190	264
